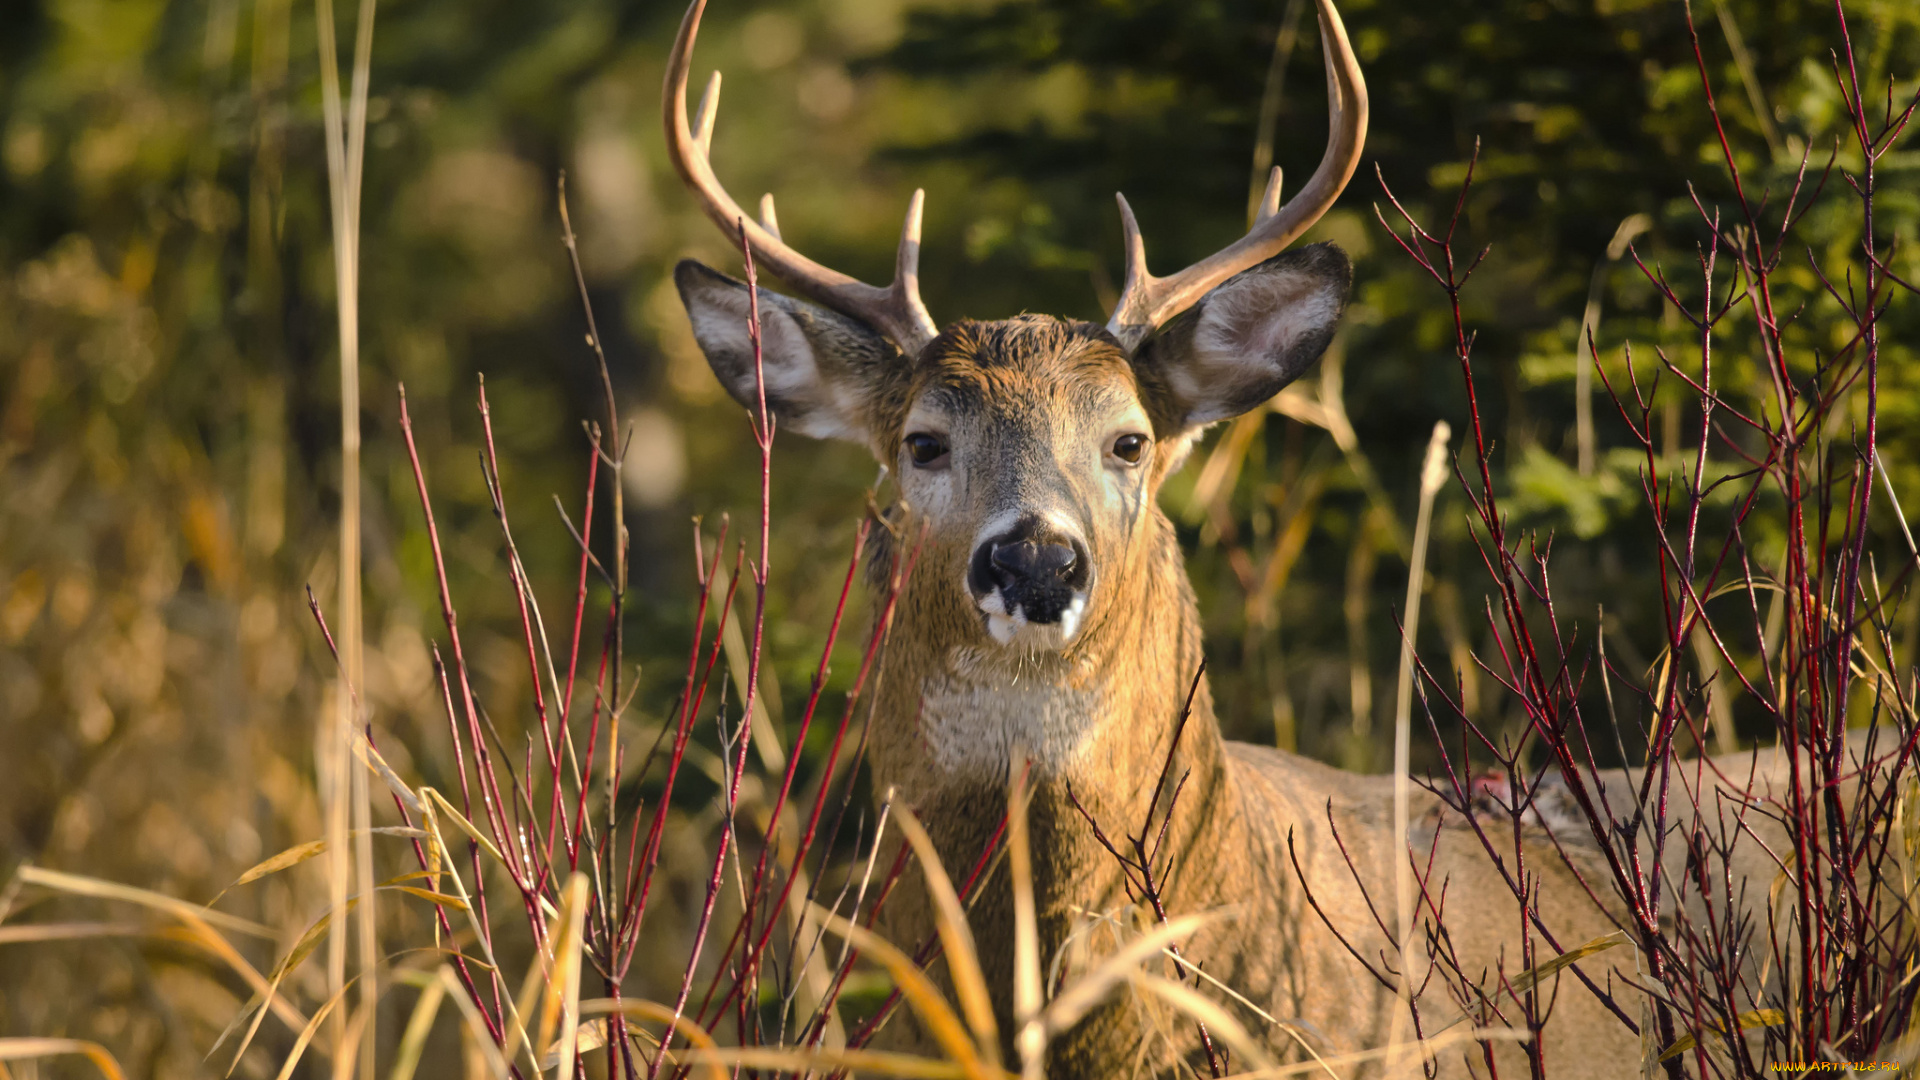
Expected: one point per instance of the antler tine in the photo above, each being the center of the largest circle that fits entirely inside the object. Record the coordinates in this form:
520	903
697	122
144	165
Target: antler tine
906	262
1269	202
1136	251
705	113
1146	302
769	220
895	311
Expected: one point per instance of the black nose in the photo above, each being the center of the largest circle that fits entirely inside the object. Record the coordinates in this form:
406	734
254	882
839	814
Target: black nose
1030	558
1033	566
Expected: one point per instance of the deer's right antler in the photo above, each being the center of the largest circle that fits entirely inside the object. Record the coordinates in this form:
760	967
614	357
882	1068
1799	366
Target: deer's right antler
895	311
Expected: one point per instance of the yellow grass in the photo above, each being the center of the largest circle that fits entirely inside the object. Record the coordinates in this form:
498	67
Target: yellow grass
30	1049
963	959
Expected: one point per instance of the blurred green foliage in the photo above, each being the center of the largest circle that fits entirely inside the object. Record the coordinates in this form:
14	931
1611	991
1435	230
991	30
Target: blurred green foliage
1585	114
168	409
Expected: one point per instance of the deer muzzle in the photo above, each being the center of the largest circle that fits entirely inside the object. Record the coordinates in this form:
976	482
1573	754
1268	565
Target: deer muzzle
1031	582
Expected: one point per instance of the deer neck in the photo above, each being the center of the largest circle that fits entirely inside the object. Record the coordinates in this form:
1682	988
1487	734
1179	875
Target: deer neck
1100	723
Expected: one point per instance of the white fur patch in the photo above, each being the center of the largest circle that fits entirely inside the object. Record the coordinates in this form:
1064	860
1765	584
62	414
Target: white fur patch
999	525
1009	626
1070	618
971	727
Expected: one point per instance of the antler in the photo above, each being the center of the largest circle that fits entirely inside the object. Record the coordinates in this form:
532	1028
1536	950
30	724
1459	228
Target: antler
1147	301
895	310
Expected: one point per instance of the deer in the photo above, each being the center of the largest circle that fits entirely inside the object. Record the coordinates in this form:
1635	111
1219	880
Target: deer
1049	626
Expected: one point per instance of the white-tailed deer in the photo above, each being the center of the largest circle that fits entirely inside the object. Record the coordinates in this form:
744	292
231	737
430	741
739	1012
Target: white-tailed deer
1051	611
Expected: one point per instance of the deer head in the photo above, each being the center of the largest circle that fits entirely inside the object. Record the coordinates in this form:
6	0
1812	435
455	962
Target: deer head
1033	446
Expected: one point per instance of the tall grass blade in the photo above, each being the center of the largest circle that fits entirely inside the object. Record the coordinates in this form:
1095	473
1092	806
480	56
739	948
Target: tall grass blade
562	1002
1078	999
197	924
653	1010
407	1058
921	994
443	807
28	1049
81	885
297	955
343	1066
1751	1019
489	1053
1030	1036
430	896
1535	975
1428	1048
306	1033
69	931
1215	1019
1433	474
820	1062
300	853
291	857
346	143
963	958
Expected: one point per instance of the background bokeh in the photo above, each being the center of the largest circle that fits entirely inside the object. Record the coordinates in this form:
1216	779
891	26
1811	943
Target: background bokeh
169	468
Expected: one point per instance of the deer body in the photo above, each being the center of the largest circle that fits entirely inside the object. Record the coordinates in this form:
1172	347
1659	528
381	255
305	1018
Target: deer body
1049	621
1101	721
1125	686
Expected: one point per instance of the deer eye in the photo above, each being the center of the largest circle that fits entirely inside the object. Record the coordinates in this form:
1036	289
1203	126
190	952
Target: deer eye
1128	448
926	450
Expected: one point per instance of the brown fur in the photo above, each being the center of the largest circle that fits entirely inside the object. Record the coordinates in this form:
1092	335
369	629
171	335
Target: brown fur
1240	804
1232	824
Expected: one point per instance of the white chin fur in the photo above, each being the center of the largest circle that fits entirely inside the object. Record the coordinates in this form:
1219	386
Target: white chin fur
1070	618
1012	628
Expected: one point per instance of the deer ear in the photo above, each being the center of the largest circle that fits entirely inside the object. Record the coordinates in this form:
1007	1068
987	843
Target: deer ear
821	368
1247	338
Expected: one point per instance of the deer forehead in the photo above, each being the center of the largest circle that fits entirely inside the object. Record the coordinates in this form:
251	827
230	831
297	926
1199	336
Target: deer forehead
1021	375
